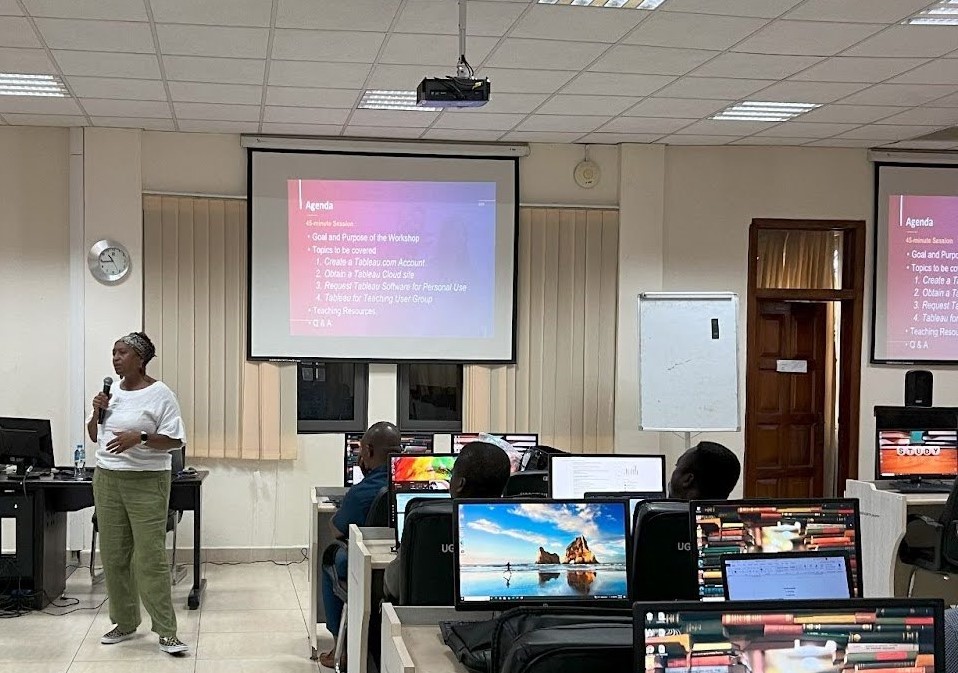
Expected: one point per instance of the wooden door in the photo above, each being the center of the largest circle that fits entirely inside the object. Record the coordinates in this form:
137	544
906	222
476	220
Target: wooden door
785	411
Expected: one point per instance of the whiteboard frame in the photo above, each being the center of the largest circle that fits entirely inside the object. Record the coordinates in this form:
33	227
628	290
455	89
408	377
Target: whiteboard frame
730	296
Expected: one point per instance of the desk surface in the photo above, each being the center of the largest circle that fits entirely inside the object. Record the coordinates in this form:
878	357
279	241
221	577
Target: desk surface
429	652
909	498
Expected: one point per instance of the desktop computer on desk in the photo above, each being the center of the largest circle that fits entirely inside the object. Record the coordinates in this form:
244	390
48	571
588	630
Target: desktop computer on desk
26	443
916	449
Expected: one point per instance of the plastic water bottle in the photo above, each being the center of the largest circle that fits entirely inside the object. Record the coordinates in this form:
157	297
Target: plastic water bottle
79	462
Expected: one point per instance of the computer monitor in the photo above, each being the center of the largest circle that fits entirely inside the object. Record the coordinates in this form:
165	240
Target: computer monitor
915	454
786	576
520	442
26	443
411	443
535	552
416	476
829	636
402	501
724	527
634	498
572	476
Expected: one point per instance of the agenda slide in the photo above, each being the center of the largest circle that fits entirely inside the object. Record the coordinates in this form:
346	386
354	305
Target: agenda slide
916	292
380	257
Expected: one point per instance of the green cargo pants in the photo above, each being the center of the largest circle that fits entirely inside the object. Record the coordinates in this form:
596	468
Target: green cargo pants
131	511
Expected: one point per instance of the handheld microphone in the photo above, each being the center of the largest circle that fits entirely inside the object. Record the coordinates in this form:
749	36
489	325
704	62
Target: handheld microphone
107	384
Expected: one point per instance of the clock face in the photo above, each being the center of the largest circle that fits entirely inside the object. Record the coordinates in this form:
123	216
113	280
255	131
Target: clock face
113	261
109	262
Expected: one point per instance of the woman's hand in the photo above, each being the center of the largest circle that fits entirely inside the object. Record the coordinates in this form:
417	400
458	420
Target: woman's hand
123	441
101	401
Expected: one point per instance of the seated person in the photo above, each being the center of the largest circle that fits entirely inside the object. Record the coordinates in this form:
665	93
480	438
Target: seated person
481	471
379	441
707	471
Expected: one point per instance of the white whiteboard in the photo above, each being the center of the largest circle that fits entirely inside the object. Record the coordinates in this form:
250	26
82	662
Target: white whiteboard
688	361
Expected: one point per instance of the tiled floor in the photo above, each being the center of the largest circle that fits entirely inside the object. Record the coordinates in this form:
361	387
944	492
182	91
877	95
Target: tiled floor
253	620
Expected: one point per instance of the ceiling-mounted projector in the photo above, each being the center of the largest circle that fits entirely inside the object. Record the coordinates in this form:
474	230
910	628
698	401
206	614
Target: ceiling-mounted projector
462	90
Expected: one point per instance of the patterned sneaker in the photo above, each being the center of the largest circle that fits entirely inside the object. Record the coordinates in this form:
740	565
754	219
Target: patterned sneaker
172	645
117	635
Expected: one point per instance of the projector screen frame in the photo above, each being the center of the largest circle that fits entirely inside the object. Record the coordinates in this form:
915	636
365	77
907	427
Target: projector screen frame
876	208
452	155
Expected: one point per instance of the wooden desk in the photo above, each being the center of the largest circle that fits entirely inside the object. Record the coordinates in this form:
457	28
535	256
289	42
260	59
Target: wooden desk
370	551
884	514
320	537
411	641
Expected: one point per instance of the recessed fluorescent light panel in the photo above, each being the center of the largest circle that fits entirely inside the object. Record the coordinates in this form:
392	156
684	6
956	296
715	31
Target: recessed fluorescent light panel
625	4
378	99
12	84
757	111
944	13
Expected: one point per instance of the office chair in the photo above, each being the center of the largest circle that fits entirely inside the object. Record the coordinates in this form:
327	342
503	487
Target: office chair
173	517
425	554
932	545
529	483
377	516
662	563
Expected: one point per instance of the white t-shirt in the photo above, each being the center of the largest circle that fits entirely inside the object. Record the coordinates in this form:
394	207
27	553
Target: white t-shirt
153	410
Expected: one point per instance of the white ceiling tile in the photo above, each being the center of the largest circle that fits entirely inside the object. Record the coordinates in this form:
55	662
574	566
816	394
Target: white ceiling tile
462	134
923	144
772	141
843	142
443	51
586	105
851	114
108	64
697	140
101	107
144	123
207	126
514	102
908	41
862	11
307	97
567	123
326	45
397	78
755	66
698	31
305	115
375	15
650	125
885	132
716	127
619	138
651	60
806	38
616	84
545	54
383	131
9	8
17	32
808	92
441	17
116	10
44	120
201	92
212	12
303	129
108	87
212	41
857	69
412	119
25	61
326	75
905	95
797	129
38	105
925	116
540	137
688	108
133	38
713	87
564	22
941	71
767	9
947	101
216	70
230	113
465	119
509	80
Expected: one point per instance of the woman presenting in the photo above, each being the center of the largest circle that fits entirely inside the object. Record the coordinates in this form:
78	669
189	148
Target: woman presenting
131	489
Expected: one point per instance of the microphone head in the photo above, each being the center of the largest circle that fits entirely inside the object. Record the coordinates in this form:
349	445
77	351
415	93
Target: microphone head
108	381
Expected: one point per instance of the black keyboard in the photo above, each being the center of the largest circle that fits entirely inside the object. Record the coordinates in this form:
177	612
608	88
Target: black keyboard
922	487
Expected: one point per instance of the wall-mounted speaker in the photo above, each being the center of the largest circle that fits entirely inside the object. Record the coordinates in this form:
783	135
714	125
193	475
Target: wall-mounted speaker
918	388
